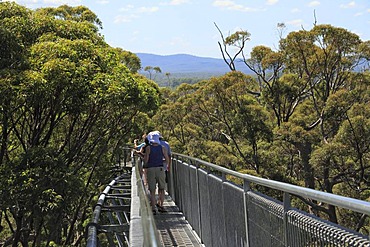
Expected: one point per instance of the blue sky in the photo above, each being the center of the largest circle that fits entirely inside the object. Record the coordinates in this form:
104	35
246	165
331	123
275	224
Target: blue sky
166	27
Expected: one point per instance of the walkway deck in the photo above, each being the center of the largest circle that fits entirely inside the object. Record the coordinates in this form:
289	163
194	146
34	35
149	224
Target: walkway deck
173	228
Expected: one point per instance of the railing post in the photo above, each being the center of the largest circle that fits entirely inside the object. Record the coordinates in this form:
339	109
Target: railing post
208	202
286	202
224	211
171	179
198	196
246	187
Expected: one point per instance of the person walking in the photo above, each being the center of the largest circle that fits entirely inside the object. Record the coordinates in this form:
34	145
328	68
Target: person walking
166	166
138	146
153	158
140	153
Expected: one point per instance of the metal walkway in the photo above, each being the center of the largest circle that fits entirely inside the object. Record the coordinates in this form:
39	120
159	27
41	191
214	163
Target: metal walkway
173	228
245	217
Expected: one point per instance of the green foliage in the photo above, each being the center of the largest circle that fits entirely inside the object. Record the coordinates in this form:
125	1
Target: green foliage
238	38
303	119
70	103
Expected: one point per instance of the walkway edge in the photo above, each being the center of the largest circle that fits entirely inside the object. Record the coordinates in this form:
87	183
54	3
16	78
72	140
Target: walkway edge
136	229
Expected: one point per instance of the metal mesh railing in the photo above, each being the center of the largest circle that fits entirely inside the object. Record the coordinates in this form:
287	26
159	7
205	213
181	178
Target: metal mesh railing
224	214
145	232
111	214
122	215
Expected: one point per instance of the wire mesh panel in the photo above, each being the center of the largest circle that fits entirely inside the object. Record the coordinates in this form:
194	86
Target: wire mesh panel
205	218
216	211
265	219
234	215
175	172
307	230
183	185
230	215
194	199
266	227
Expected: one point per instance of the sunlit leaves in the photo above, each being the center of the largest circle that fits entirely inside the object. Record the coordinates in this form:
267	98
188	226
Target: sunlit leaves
238	38
77	14
69	102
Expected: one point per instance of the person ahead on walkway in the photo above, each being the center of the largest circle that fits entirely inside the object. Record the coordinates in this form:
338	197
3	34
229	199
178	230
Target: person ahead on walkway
139	151
138	146
153	158
143	167
166	167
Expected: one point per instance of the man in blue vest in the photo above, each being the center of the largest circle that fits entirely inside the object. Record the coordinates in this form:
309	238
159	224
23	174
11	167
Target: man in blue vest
154	155
166	166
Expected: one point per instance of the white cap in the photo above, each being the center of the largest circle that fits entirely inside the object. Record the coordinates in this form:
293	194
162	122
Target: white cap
153	137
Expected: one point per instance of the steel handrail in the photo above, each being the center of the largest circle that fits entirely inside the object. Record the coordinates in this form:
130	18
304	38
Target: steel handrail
332	199
150	232
93	227
149	229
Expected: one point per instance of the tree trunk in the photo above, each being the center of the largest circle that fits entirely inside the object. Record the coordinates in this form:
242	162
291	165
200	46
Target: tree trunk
305	149
328	186
18	216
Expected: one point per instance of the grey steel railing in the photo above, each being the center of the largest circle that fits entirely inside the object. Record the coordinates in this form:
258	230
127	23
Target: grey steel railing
122	215
225	214
111	214
143	231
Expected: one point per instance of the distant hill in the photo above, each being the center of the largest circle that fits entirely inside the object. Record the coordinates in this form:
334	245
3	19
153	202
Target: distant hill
188	64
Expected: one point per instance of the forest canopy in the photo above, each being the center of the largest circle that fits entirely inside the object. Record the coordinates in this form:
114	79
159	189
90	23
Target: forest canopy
303	118
68	104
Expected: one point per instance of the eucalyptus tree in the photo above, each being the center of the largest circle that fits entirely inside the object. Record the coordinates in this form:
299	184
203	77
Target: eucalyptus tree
342	164
320	65
311	84
71	101
167	74
151	69
281	92
235	40
219	121
323	59
236	118
130	60
172	117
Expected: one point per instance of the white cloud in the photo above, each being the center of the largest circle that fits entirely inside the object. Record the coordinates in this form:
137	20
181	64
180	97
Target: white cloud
61	2
314	4
230	5
127	8
133	13
295	23
219	3
147	9
178	2
174	2
124	18
272	2
295	10
349	5
102	2
131	8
